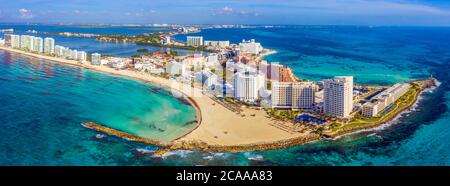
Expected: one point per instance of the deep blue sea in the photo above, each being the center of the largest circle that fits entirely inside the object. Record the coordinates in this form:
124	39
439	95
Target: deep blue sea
42	111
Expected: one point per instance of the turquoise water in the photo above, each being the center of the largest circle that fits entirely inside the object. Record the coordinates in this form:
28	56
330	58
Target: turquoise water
48	132
44	104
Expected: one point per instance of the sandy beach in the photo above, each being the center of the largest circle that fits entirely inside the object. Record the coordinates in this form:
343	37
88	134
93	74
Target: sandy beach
218	126
264	53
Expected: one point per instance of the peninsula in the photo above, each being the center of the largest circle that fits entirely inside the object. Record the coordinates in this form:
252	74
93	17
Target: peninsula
275	110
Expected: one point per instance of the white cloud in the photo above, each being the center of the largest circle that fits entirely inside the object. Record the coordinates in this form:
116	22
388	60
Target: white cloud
80	12
227	10
230	11
25	14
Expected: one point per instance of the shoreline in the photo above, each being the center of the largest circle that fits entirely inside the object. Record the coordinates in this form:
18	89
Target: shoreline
213	131
265	53
212	119
391	122
111	71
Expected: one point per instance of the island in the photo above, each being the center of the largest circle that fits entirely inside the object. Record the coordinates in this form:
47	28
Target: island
292	112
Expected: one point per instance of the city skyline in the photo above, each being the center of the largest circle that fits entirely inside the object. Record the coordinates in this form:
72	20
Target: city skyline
298	12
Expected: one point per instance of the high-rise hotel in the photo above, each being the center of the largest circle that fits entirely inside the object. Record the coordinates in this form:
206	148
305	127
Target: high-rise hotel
49	45
248	86
338	96
293	95
194	40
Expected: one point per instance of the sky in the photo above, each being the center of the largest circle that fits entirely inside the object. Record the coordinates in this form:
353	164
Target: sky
296	12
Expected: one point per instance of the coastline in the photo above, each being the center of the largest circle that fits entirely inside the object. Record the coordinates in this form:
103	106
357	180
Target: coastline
213	131
265	53
213	120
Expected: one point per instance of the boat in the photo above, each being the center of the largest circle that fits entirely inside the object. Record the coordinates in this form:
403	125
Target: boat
99	136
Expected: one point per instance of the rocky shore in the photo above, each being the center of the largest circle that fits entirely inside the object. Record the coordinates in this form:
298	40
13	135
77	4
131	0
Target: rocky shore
184	145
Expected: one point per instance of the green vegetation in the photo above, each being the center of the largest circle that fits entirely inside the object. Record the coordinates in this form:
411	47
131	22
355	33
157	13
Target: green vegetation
152	39
282	114
142	50
136	56
171	54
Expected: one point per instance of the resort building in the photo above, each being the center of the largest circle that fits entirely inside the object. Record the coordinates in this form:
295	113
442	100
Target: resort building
96	58
248	86
293	95
338	96
49	45
194	40
8	40
274	71
81	56
2	42
15	41
176	68
212	59
38	45
167	40
73	54
380	102
221	44
26	42
250	47
207	78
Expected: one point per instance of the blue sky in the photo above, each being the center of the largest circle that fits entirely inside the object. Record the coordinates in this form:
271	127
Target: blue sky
315	12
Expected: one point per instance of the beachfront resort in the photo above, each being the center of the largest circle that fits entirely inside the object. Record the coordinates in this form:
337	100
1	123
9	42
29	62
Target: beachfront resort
243	101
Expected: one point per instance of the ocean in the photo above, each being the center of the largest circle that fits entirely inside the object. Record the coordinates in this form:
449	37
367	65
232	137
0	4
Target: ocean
41	115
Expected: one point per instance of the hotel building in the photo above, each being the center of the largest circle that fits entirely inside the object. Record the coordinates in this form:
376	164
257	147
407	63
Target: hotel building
8	39
26	42
221	44
250	47
293	95
381	101
248	86
49	45
338	96
38	45
81	56
96	58
176	68
15	41
194	40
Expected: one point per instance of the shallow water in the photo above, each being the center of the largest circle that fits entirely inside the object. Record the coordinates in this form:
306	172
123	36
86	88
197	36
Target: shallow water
43	104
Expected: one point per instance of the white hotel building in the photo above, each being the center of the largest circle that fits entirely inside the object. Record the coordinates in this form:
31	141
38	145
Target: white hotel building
96	59
248	86
338	96
12	40
381	101
49	45
222	44
250	47
38	45
293	95
194	40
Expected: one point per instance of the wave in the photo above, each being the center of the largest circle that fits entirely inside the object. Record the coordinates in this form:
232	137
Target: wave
180	153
